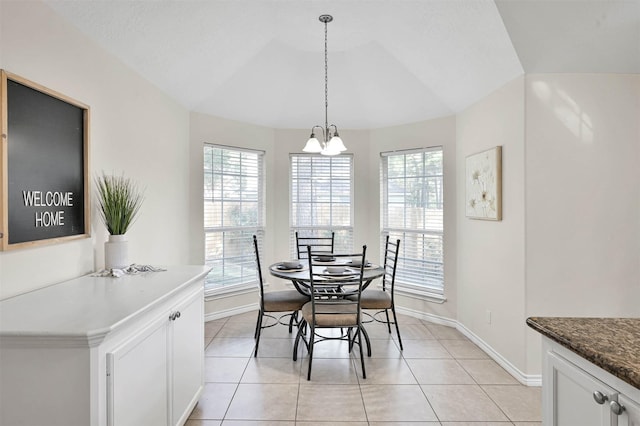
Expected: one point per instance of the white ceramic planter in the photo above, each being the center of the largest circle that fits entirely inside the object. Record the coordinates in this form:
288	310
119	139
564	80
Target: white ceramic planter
116	252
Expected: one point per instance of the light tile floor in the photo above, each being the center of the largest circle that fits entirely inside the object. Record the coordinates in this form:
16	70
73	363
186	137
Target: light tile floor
441	378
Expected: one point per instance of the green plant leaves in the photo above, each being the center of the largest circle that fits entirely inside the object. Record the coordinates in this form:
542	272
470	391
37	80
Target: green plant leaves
120	200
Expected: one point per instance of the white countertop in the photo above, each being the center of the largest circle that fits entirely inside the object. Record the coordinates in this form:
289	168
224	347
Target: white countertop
87	308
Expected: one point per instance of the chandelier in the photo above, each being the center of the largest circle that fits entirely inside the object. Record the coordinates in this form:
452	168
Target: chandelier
331	143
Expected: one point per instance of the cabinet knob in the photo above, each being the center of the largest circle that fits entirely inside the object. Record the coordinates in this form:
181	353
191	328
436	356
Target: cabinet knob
616	408
174	316
599	397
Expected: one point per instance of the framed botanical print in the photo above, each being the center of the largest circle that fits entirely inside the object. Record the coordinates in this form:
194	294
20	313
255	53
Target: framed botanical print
484	185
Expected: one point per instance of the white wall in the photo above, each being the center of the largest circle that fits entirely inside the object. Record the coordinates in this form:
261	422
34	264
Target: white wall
569	241
490	254
135	129
582	197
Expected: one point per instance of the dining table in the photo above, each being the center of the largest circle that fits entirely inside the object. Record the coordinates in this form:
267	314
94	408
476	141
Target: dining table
300	278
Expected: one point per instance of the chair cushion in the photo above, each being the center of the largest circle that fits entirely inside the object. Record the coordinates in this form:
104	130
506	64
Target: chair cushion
375	299
283	301
331	315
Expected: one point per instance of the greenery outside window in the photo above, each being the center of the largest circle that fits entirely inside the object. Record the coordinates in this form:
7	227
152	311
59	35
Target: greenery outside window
233	213
322	198
413	211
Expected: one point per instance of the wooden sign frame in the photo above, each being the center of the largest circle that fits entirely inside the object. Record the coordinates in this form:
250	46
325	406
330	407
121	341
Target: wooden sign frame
44	165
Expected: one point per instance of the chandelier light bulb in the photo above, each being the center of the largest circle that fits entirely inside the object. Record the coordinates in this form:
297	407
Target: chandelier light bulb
313	145
336	141
330	148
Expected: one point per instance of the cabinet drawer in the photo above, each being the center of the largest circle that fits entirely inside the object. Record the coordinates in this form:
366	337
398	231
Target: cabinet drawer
187	357
574	397
137	376
631	414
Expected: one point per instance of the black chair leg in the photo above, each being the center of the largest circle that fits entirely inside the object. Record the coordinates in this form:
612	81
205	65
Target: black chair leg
258	324
395	320
258	332
359	333
366	339
301	327
294	318
386	312
312	338
349	339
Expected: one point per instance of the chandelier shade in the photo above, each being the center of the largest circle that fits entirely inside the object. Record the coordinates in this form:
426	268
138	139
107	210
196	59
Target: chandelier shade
331	143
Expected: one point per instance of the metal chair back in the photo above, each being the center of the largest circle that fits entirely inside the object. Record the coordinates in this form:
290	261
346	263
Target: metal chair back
319	244
391	252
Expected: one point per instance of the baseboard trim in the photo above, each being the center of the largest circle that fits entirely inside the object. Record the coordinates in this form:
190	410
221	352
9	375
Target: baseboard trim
230	312
525	379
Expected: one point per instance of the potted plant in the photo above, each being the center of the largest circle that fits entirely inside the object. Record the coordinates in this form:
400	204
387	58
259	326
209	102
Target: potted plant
119	200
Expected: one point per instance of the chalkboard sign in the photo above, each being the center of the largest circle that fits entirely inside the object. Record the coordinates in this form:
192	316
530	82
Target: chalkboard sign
45	187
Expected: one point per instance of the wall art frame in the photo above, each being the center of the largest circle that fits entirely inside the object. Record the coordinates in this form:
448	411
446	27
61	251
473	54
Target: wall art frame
483	181
44	165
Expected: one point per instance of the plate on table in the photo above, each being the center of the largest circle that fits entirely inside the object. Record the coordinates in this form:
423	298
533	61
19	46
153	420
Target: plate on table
366	265
344	272
285	268
324	258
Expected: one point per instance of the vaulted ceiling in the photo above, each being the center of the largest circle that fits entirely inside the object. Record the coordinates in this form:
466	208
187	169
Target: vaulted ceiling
390	61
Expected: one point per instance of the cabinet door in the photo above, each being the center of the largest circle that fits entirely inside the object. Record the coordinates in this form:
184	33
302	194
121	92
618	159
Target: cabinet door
570	396
631	414
187	356
137	372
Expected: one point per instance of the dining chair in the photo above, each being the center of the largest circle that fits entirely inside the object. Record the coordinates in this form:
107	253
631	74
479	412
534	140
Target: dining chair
288	302
319	244
383	299
333	310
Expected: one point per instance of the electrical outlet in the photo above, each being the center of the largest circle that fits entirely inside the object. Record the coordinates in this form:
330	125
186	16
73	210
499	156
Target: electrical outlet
488	316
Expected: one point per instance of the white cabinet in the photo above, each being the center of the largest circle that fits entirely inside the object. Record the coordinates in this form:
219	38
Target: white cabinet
631	412
577	392
104	351
137	378
187	360
163	362
576	398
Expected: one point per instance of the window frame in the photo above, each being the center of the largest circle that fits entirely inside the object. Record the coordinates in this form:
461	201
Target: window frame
249	280
404	283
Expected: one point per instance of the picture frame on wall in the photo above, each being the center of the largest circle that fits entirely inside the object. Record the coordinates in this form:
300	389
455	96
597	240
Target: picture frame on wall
44	165
483	180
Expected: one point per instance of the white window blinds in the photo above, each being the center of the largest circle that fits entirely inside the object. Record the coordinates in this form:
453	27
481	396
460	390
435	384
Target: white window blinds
322	198
233	212
413	211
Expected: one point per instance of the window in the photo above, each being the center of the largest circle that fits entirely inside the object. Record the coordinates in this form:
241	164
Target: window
233	212
412	210
322	198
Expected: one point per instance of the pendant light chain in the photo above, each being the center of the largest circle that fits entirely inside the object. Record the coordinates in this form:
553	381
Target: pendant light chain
326	84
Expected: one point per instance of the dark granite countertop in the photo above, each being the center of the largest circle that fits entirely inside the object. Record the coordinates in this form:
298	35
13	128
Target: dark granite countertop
612	344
